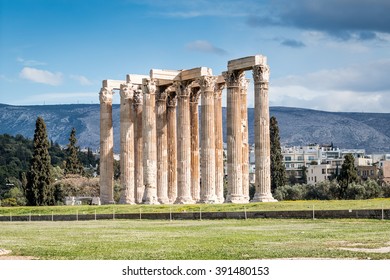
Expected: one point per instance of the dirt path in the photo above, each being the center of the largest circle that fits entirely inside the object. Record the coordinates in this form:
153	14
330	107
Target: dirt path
4	255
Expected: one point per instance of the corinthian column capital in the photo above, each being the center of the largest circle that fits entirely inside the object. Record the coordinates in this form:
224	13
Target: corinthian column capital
261	73
150	86
218	90
162	96
233	78
183	89
126	91
105	95
194	96
137	98
172	99
207	83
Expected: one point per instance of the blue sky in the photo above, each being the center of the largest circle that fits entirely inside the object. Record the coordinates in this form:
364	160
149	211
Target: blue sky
331	55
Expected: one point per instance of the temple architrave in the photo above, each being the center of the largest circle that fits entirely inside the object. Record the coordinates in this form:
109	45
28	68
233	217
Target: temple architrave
164	158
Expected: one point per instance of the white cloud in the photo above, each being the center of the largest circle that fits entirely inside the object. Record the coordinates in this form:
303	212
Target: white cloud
367	77
30	62
41	76
204	46
61	98
81	79
356	88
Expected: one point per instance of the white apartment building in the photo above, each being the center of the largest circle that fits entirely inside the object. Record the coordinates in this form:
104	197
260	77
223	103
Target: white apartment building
319	173
296	157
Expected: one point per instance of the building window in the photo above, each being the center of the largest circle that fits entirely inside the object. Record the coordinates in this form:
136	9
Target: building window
323	171
287	158
300	158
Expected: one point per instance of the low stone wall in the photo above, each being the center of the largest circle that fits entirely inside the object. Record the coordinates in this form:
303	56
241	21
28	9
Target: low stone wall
307	214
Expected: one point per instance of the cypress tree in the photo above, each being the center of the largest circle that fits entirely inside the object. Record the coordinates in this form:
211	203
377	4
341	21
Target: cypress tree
278	170
348	174
39	187
73	164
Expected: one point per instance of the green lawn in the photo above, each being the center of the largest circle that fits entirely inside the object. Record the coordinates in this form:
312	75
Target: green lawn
279	206
206	239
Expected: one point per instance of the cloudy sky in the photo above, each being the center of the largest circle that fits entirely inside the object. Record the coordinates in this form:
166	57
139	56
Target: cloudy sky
331	55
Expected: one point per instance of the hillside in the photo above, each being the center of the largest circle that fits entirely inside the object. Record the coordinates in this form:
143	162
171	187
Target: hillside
370	131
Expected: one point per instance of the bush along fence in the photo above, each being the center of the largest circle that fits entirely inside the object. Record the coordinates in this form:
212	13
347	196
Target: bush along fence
382	214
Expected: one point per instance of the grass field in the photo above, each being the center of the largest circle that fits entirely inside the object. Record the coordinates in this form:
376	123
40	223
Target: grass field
280	206
205	239
200	240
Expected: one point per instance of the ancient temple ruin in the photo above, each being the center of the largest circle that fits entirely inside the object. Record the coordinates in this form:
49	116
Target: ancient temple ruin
163	158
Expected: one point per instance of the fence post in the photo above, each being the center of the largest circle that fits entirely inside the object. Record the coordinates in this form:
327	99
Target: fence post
313	213
140	214
95	214
52	216
113	214
170	214
200	213
383	213
77	215
245	213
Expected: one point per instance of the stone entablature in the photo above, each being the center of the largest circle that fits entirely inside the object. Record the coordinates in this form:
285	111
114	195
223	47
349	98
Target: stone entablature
162	158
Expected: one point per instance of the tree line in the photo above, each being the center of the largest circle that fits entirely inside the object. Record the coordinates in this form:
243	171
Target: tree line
346	185
29	169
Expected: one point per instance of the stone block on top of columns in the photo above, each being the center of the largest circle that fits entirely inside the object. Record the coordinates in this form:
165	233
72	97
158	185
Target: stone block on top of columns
113	84
246	63
164	77
135	79
193	74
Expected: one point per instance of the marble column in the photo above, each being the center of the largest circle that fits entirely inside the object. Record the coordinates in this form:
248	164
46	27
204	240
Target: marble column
234	136
262	137
149	143
126	145
207	193
172	152
106	147
219	170
138	146
162	154
195	167
183	90
245	141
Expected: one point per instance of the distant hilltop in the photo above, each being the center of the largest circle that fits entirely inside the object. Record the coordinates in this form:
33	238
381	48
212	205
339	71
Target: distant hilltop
369	131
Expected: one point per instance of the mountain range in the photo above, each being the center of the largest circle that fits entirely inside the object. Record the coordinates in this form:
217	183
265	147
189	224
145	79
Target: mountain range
297	126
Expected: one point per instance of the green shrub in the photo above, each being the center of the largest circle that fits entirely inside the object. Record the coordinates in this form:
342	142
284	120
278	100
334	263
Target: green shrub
385	190
355	191
373	190
287	192
9	202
